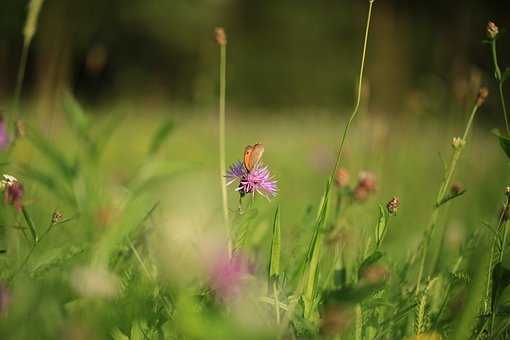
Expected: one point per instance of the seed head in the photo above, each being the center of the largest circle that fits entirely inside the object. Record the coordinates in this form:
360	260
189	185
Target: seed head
507	190
458	143
393	205
342	178
57	217
221	37
482	95
492	30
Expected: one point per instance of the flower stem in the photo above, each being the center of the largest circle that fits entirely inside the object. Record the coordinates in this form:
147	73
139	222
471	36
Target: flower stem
443	189
499	79
358	96
223	169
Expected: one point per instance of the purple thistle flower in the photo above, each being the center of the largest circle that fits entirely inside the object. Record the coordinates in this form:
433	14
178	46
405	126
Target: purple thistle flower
228	275
4	138
259	180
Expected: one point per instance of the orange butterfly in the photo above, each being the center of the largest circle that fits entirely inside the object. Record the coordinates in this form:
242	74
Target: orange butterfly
252	156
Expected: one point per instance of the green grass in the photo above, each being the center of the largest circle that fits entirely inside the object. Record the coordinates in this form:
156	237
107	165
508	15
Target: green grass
120	231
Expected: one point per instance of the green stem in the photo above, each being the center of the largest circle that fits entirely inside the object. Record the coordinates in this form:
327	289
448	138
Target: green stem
276	302
358	97
223	168
499	79
443	189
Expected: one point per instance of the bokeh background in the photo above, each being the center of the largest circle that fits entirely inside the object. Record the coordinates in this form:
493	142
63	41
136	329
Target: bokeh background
292	68
291	74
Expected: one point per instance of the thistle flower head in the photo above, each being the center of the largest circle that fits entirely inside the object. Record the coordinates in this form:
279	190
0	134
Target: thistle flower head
342	178
492	30
258	180
367	184
227	275
13	191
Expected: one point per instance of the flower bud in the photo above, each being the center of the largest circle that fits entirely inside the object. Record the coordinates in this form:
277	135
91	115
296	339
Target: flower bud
342	178
492	30
482	95
393	205
221	37
458	143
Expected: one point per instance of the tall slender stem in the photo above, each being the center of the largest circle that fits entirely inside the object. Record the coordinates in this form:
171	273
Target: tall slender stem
443	189
358	96
499	79
223	168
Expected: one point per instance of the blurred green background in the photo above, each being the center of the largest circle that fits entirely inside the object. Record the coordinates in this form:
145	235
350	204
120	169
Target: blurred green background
292	68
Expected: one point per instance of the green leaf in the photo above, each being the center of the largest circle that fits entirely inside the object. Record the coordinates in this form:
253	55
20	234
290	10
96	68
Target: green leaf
381	227
449	197
30	223
118	335
159	137
54	155
368	261
500	280
314	254
274	261
504	142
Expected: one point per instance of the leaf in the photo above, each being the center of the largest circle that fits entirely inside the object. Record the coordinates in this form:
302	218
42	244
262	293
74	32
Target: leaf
382	223
54	155
48	181
500	280
118	335
159	137
30	224
78	121
314	253
274	261
449	197
504	142
368	261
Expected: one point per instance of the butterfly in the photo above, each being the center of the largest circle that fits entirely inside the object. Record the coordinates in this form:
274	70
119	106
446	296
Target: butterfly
252	155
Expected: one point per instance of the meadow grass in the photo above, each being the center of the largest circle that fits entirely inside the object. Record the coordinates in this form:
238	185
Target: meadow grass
114	226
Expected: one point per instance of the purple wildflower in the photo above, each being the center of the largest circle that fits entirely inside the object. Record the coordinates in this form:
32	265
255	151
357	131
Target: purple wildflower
4	138
13	191
227	275
259	179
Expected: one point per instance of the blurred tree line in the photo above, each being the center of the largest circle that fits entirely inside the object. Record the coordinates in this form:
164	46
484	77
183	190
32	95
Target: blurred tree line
281	53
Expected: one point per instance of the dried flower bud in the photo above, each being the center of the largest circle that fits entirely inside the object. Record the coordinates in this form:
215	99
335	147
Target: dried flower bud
342	178
13	191
221	37
458	142
507	190
456	188
482	95
57	217
492	30
393	205
368	181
